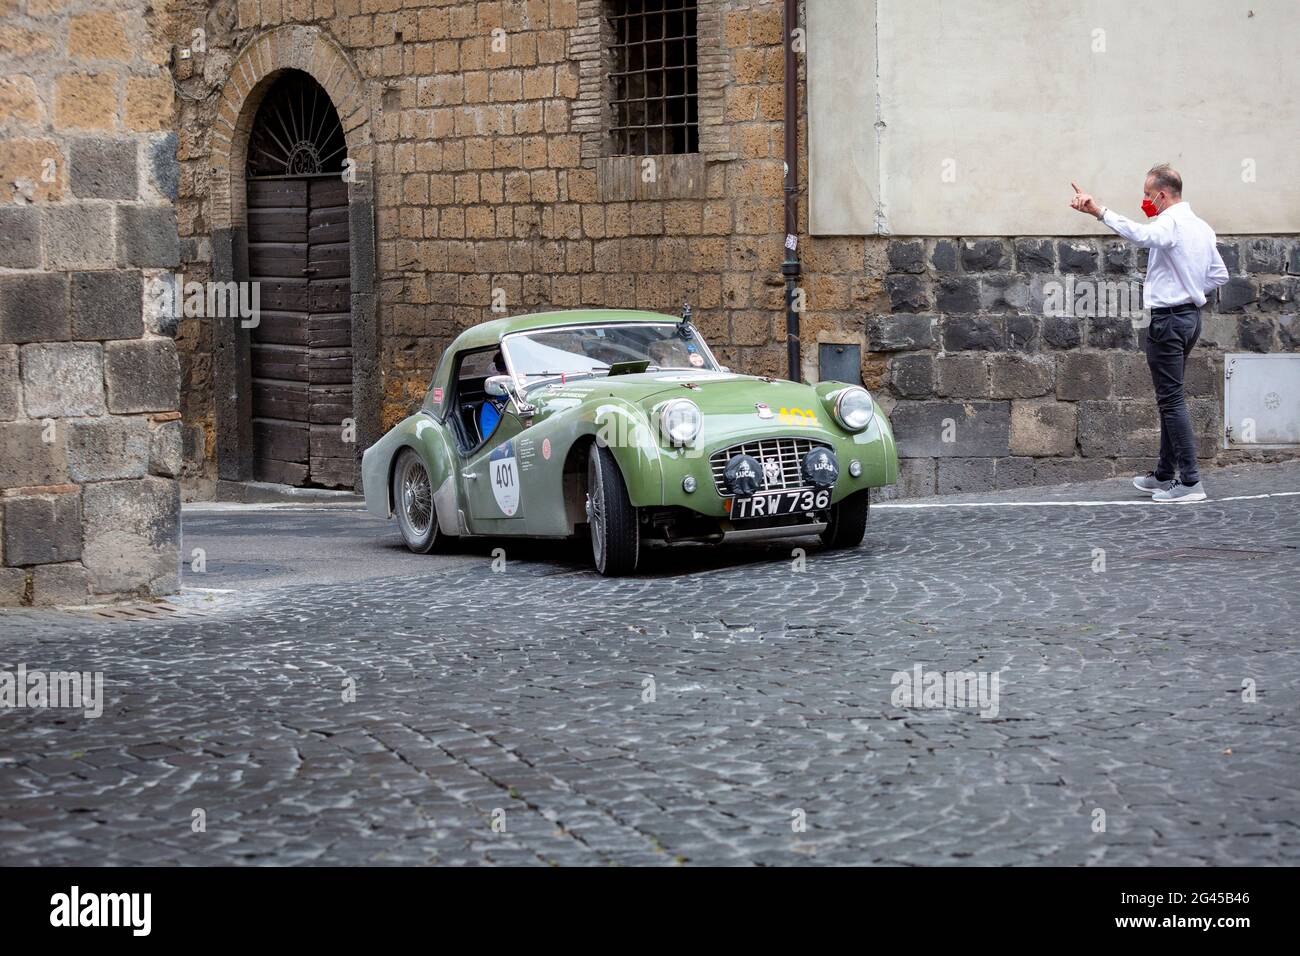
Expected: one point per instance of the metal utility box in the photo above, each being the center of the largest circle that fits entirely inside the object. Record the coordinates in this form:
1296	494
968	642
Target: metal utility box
1261	400
840	363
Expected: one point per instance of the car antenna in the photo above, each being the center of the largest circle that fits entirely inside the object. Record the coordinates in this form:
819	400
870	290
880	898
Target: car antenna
684	328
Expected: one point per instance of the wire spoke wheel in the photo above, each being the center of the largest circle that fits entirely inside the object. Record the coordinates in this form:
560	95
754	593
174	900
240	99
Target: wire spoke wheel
413	503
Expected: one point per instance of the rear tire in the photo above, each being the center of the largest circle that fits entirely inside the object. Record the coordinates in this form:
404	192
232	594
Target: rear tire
413	503
848	522
615	534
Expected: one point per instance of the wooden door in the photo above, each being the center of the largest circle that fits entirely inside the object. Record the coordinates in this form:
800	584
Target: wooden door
302	348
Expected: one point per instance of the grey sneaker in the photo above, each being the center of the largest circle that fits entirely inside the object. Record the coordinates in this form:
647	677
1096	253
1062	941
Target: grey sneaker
1180	492
1150	484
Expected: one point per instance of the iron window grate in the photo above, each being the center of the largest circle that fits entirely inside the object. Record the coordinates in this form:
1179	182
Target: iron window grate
786	453
654	79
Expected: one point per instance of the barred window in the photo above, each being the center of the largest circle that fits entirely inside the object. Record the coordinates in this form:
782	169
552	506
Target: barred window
653	77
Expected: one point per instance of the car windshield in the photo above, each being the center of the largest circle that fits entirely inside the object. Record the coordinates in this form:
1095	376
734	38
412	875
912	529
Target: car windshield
593	349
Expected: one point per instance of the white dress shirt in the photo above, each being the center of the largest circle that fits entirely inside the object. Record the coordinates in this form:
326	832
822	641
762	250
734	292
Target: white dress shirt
1183	264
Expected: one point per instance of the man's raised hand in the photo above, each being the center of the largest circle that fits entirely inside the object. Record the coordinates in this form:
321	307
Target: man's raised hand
1083	202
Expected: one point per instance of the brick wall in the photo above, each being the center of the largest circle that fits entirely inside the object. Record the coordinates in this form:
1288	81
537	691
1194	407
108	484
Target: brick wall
89	401
490	175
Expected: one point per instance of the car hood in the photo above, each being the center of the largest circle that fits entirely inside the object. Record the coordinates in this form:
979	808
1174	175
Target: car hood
714	392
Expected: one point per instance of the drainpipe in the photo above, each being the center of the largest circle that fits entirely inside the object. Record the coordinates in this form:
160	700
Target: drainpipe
790	268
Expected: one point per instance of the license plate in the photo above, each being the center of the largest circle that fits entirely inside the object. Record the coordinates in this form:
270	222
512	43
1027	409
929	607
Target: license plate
775	503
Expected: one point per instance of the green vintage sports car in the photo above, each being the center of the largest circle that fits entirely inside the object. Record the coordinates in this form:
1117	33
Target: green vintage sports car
623	425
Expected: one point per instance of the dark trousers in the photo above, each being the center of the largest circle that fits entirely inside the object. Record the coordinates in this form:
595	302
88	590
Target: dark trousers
1170	339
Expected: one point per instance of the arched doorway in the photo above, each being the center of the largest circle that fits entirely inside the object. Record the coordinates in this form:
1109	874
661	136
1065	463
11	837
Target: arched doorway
300	353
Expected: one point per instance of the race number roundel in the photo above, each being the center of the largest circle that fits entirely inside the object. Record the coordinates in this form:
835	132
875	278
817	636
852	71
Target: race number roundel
546	448
503	467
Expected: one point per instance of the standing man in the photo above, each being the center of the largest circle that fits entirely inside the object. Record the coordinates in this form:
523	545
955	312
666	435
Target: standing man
1183	267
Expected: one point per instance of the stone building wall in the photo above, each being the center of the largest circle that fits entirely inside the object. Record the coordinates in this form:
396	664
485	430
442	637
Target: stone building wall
490	184
90	431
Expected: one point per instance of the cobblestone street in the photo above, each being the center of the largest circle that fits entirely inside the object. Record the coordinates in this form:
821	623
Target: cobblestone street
722	707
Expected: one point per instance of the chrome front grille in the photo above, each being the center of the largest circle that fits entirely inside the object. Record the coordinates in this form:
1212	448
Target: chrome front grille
786	452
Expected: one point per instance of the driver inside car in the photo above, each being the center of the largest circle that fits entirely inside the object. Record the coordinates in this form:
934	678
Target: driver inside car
489	414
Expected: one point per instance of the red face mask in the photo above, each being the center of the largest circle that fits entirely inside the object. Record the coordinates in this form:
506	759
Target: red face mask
1149	208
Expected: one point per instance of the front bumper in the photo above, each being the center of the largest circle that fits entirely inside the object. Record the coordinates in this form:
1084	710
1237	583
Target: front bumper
873	448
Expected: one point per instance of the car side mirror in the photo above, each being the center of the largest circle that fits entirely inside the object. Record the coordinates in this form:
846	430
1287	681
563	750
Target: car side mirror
498	386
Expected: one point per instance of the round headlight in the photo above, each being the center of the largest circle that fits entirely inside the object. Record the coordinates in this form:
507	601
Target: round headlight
680	421
854	408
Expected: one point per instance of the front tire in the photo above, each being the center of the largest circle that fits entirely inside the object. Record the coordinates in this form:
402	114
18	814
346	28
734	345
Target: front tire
848	522
413	503
615	534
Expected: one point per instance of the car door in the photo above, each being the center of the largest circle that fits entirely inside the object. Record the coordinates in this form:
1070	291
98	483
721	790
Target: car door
491	480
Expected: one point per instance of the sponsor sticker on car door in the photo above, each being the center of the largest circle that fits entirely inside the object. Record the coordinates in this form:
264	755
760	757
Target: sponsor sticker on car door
503	470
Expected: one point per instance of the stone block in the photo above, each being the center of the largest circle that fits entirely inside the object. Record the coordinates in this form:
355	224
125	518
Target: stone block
1117	257
952	429
166	450
1118	428
894	333
108	448
1013	472
78	236
42	529
1230	255
1288	330
34	308
915	480
11	393
1112	332
1022	332
1293	258
1035	255
1256	333
1264	255
146	236
969	332
906	256
1219	331
944	257
1020	376
984	255
962	375
1083	375
1202	377
912	376
163	169
1062	331
1278	295
107	305
1077	256
1041	428
1131	376
63	379
1057	471
907	293
30	459
957	295
954	476
104	168
1236	294
20	237
1004	293
13	587
142	376
61	584
132	535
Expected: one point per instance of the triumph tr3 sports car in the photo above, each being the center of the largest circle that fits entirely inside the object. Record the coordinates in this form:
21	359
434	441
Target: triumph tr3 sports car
622	425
